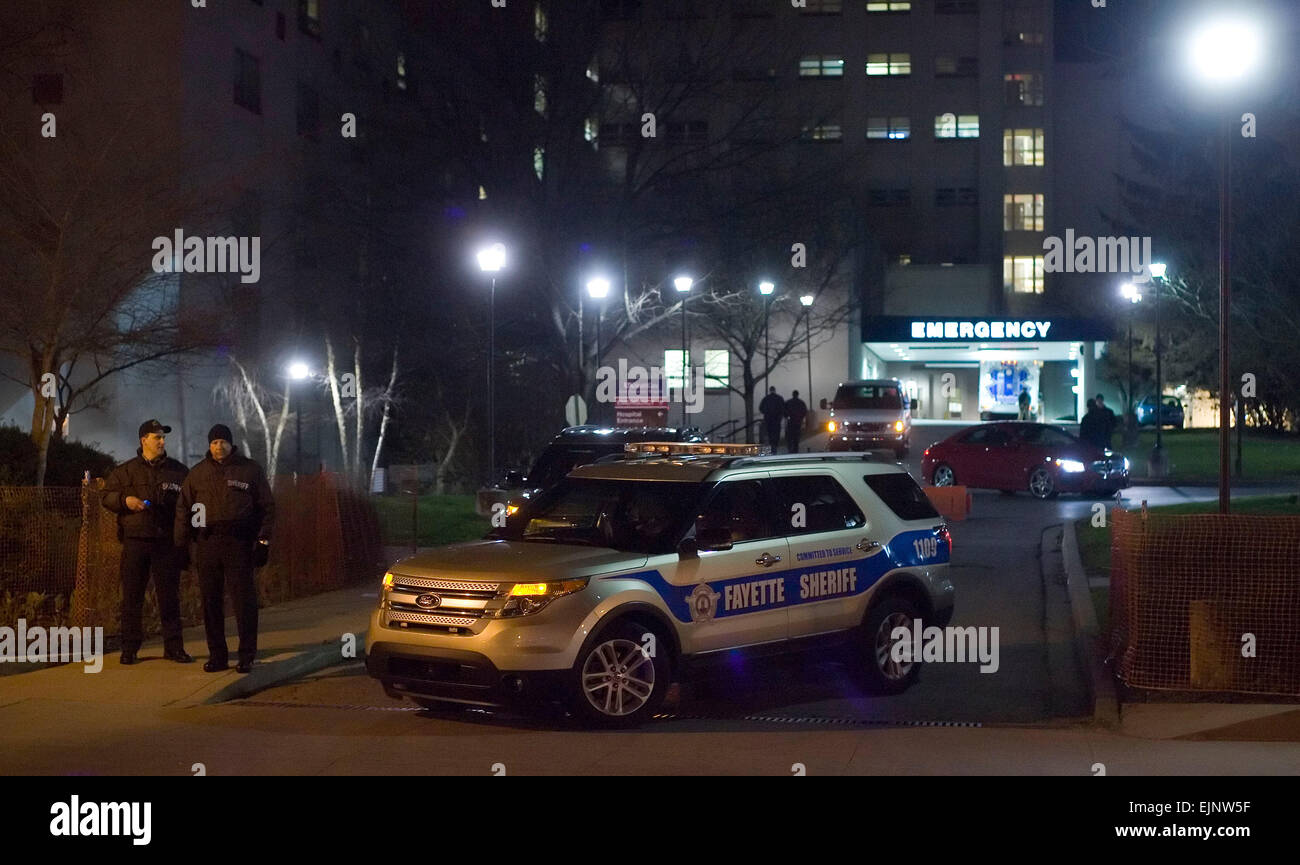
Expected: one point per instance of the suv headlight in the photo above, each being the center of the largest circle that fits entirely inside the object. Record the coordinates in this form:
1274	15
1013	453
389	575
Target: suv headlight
1070	465
524	599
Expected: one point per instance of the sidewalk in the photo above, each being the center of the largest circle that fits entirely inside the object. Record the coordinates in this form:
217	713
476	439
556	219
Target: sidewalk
294	638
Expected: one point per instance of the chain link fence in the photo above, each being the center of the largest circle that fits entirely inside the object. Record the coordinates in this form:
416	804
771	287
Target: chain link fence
1206	602
60	555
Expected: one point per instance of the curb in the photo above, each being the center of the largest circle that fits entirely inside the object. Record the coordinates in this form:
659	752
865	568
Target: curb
274	673
1087	632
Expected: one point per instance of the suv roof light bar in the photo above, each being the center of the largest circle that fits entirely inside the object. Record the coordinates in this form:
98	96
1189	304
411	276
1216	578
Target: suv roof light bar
683	448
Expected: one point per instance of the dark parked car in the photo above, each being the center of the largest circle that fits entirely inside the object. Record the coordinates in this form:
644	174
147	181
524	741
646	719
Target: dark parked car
574	446
1010	456
1171	412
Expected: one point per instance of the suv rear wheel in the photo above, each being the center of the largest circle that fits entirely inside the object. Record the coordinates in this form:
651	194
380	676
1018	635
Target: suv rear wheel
875	647
615	682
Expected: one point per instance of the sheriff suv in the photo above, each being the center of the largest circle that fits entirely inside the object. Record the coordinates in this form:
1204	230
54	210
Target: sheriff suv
602	586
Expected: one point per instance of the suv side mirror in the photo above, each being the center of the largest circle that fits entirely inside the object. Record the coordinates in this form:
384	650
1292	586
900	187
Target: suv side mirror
712	539
823	403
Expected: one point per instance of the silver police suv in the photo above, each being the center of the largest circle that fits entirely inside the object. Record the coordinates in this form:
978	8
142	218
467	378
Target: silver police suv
602	587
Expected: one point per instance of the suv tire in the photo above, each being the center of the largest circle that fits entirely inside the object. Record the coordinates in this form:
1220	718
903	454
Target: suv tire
874	646
613	683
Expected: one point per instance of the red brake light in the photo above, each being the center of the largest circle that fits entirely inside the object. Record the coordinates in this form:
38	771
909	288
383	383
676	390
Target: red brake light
926	452
946	537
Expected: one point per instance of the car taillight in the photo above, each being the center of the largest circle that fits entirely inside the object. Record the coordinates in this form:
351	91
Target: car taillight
946	537
926	452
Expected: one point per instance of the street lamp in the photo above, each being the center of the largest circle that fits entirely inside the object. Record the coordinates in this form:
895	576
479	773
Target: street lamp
1223	52
491	260
683	285
1130	293
807	301
766	288
297	372
598	289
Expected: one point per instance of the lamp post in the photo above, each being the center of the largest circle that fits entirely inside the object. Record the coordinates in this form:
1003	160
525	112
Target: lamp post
1158	452
598	288
1130	293
766	288
1222	53
298	371
683	285
491	260
807	301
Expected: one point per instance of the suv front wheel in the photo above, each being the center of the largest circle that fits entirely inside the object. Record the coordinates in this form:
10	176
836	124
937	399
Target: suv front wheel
615	682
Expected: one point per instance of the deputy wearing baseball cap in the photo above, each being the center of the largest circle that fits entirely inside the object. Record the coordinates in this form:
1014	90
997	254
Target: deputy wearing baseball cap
232	537
142	492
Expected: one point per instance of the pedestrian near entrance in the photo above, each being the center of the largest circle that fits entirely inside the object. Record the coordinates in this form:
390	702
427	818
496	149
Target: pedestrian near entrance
1107	421
1090	423
232	537
773	410
142	492
1023	402
795	412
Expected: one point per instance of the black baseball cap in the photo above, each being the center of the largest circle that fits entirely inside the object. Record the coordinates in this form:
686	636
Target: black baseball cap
153	426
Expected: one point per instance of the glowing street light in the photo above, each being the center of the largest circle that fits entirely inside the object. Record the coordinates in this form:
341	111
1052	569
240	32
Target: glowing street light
1224	51
297	371
807	301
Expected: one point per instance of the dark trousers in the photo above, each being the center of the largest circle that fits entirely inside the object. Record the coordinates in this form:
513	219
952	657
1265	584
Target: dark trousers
773	432
140	559
227	560
792	430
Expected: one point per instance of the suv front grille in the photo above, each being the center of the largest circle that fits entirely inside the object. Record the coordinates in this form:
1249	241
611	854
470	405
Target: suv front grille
866	426
471	589
414	618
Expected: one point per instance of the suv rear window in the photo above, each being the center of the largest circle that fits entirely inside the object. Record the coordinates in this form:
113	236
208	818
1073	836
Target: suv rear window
878	396
902	495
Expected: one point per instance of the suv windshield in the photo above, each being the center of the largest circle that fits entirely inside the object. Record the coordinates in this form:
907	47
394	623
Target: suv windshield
645	517
881	396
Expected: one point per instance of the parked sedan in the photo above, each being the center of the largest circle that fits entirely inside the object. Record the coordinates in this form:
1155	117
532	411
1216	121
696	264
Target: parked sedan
1010	456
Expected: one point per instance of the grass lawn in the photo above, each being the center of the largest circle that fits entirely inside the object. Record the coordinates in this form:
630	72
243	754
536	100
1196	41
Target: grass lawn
440	519
1194	453
1094	541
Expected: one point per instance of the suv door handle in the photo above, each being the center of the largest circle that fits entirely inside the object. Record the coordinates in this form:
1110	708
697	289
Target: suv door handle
767	560
865	545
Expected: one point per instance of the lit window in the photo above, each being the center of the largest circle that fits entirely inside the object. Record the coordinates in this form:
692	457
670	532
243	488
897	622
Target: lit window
891	6
905	258
482	194
539	94
401	71
1023	274
1024	88
309	17
945	126
968	126
888	127
539	161
589	129
821	66
1022	147
1022	212
593	70
889	64
717	368
823	132
539	22
673	367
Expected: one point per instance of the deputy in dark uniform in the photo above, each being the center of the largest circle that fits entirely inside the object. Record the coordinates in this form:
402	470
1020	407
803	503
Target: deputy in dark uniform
143	493
232	538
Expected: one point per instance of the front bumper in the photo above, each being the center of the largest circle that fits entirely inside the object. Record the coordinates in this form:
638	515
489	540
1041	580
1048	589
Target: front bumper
1091	481
856	441
456	676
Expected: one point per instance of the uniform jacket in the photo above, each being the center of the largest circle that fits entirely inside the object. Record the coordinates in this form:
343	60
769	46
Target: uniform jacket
795	409
772	406
158	483
235	496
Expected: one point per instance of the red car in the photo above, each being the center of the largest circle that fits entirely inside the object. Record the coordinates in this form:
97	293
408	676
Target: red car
1011	456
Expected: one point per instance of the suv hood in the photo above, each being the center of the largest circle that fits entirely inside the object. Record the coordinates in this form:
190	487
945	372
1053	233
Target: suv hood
513	561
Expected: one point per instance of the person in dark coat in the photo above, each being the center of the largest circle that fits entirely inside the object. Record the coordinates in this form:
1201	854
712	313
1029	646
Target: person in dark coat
773	410
227	508
1090	423
1108	422
795	412
142	492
